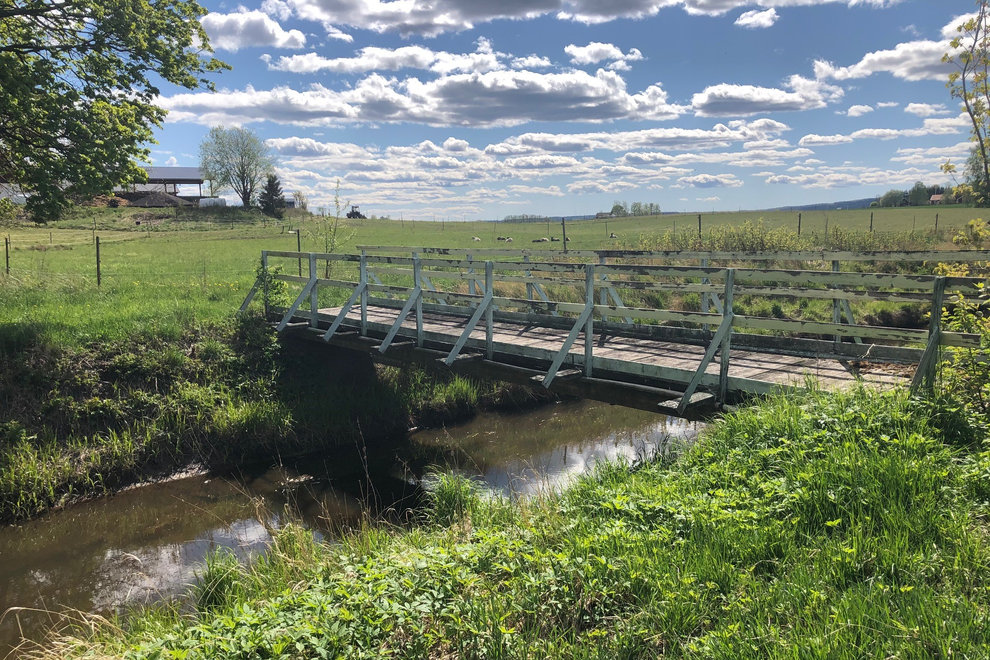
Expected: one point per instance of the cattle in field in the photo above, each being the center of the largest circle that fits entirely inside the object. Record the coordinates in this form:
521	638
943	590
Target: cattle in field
541	240
508	239
475	238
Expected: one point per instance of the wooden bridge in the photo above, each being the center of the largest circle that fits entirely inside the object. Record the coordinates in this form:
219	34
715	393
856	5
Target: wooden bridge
602	324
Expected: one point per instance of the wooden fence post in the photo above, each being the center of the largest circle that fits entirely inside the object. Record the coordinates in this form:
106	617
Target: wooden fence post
314	298
99	273
6	252
799	224
836	310
871	222
589	325
699	225
417	283
490	311
723	359
363	280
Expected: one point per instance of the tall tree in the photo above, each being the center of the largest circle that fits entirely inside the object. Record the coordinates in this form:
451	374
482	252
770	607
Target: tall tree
970	54
78	81
235	158
271	200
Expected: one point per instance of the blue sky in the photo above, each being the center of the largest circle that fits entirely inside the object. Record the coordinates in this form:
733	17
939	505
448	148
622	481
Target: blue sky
480	109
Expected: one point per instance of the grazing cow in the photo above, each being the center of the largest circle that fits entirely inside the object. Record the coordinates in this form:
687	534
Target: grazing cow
508	239
500	238
475	238
554	239
541	240
612	235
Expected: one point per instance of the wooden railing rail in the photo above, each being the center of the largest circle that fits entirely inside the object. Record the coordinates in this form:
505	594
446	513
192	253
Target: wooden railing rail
417	285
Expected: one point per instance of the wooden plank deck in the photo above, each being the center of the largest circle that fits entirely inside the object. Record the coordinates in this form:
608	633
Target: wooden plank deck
751	370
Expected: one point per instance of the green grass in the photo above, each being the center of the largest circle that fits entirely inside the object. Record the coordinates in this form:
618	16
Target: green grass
838	526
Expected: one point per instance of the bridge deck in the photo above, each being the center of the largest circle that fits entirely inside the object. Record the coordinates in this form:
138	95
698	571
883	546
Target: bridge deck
750	371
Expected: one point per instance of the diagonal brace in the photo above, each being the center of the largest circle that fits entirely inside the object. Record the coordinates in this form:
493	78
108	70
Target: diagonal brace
345	310
723	329
565	349
413	299
295	306
469	328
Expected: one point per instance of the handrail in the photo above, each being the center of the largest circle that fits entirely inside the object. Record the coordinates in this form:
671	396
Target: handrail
714	285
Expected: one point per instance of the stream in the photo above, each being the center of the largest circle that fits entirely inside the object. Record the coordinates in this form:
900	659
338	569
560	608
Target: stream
149	542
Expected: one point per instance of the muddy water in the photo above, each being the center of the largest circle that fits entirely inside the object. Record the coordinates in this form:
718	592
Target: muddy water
148	543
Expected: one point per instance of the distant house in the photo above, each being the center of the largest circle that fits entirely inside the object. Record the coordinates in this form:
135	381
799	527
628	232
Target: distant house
935	200
602	214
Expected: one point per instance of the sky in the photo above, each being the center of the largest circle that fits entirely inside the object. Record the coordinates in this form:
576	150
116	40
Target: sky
479	109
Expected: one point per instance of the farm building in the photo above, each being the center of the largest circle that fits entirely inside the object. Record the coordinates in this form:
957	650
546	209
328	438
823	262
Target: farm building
935	200
168	179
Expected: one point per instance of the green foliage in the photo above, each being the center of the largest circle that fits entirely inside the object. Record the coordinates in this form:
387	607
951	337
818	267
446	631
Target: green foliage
974	235
8	212
80	82
966	371
840	526
235	158
271	200
968	82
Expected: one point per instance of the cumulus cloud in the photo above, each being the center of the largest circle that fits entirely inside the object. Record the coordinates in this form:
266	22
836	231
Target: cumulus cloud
416	17
910	60
756	19
845	176
710	181
742	100
373	58
926	109
248	29
597	51
859	110
277	9
933	155
814	140
494	98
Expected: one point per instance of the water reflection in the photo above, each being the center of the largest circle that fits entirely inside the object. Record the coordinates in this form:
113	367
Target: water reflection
519	454
148	543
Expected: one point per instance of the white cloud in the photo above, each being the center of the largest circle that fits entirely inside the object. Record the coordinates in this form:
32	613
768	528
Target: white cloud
277	9
846	176
710	181
494	98
172	161
926	109
756	19
888	104
910	60
859	110
813	140
933	155
741	100
247	29
373	58
597	51
409	17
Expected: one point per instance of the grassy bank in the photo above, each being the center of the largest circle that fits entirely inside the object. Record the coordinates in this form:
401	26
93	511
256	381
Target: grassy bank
840	526
86	419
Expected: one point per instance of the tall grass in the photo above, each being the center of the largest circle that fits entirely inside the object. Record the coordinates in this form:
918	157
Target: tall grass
840	526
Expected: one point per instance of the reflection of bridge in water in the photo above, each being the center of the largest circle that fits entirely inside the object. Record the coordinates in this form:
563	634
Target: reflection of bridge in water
599	324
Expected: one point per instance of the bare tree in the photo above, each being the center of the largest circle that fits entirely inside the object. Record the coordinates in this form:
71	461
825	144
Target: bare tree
235	158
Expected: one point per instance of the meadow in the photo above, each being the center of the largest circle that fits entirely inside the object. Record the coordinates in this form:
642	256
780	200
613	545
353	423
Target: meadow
813	525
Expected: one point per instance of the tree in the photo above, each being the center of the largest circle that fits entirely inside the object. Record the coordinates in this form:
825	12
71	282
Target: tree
918	195
235	158
893	198
271	200
619	210
79	80
301	201
970	54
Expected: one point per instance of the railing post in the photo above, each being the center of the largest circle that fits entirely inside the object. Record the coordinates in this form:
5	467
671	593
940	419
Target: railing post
723	359
603	293
363	280
472	288
314	298
489	311
417	285
589	325
928	366
705	301
529	285
836	308
265	275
